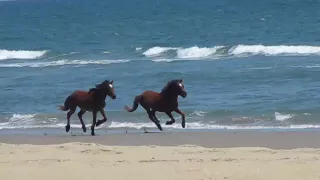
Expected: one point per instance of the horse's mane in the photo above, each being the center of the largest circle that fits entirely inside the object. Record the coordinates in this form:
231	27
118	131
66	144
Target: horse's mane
96	90
98	87
92	90
167	88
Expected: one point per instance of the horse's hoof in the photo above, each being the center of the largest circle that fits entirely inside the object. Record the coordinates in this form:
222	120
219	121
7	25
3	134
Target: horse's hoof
67	128
92	133
159	127
84	129
169	122
183	124
100	122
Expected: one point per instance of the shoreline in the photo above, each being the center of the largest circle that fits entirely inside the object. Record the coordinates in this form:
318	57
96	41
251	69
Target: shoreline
214	139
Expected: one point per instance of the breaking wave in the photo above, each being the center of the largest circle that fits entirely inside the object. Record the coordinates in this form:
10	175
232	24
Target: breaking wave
282	117
182	53
196	52
275	50
62	63
157	51
20	54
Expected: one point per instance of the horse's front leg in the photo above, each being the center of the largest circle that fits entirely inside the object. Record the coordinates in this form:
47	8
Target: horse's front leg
171	117
183	123
94	121
104	117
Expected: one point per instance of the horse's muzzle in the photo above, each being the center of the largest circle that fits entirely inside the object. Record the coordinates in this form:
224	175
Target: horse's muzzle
184	94
114	97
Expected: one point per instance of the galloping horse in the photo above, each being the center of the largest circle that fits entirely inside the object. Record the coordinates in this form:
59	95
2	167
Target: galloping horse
166	101
92	101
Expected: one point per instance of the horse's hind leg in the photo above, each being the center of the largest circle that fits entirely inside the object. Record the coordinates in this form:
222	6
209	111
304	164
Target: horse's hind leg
69	114
171	117
80	114
154	115
151	117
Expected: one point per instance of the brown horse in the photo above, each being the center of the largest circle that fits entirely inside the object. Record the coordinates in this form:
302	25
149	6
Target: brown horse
166	101
92	101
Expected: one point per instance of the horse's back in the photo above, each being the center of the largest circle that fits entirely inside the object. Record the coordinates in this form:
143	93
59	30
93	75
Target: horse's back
80	95
152	95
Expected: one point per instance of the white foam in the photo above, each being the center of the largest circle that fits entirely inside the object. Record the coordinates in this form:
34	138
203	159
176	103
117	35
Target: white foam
314	66
182	53
157	51
27	121
198	113
20	120
20	54
62	63
274	50
282	117
196	52
164	60
199	125
203	53
19	117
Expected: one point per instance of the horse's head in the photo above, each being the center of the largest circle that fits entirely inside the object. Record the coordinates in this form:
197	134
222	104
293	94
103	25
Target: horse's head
175	87
107	87
181	90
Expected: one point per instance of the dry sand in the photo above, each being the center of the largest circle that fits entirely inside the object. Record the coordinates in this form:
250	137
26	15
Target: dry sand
78	160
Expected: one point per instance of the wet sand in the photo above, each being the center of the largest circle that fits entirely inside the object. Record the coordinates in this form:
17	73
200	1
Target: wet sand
221	139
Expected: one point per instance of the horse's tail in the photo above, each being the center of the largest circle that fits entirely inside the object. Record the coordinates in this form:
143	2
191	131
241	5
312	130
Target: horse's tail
135	104
65	107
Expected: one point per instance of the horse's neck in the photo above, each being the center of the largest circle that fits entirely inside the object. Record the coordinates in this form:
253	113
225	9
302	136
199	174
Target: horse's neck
170	95
100	95
104	96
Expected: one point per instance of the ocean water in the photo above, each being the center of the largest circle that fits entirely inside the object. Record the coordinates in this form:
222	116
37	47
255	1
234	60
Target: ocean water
245	64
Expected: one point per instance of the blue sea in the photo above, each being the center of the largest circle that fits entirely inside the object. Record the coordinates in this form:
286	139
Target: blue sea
245	64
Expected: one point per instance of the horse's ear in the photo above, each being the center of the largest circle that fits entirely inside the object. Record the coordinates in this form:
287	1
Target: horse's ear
111	82
181	80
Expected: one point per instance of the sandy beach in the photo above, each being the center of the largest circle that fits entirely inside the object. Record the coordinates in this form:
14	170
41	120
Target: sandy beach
51	157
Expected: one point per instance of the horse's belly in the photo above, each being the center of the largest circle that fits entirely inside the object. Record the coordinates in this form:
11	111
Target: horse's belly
87	108
164	108
90	107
